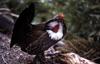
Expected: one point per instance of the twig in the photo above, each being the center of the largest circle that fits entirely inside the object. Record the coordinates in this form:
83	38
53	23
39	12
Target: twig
88	52
95	58
14	15
6	9
4	60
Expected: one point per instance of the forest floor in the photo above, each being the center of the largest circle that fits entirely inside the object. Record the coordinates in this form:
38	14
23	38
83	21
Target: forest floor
12	55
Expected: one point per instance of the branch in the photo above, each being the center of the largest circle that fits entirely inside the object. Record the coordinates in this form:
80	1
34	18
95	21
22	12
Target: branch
4	60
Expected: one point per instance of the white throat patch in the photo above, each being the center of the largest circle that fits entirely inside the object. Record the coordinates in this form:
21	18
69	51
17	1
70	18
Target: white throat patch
58	35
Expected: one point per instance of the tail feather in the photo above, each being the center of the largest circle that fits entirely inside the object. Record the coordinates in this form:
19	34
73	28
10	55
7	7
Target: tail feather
23	25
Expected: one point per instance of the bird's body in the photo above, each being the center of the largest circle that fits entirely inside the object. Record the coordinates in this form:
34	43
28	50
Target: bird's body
35	39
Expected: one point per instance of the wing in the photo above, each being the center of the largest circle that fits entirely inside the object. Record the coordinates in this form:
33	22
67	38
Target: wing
23	26
41	44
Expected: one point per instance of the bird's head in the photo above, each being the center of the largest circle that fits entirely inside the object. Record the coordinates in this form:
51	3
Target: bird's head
56	27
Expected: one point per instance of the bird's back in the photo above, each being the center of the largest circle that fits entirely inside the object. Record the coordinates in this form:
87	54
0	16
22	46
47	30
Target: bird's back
24	33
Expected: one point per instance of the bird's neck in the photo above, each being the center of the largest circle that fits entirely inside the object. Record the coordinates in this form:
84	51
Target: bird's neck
56	35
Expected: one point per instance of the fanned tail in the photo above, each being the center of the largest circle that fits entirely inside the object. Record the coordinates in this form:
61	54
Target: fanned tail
23	25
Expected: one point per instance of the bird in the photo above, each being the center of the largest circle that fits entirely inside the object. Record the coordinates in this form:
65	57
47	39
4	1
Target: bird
35	39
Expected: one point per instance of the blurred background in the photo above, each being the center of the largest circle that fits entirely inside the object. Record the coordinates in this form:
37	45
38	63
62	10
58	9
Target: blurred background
82	16
82	19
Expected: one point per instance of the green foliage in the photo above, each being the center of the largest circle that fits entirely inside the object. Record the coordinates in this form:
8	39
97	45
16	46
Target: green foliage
82	16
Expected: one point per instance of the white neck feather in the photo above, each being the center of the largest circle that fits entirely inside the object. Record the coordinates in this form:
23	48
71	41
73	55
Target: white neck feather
58	35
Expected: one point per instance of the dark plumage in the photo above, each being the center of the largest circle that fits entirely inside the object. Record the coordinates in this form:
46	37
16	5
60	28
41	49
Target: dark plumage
34	39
